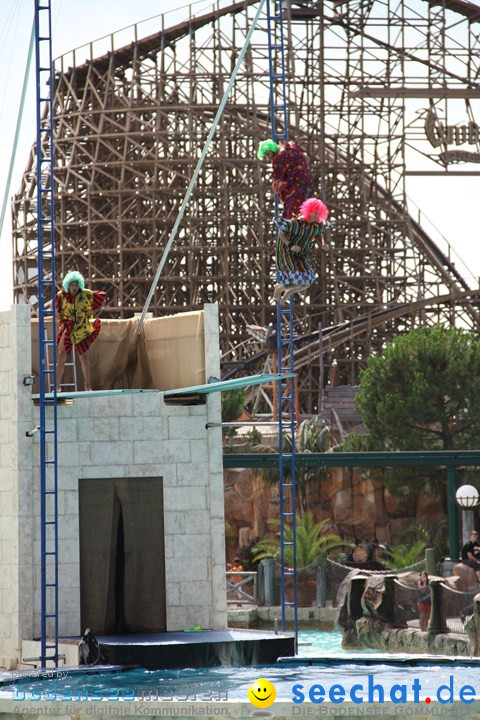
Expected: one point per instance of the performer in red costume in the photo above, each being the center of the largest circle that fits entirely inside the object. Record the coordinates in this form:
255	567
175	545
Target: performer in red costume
292	174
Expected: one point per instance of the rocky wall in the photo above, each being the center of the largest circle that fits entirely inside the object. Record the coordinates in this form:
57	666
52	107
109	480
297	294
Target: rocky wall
376	635
358	506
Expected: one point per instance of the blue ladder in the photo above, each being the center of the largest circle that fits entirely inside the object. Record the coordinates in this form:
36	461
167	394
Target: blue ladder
286	389
46	310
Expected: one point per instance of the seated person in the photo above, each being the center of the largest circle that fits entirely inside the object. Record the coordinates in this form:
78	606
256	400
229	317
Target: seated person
471	552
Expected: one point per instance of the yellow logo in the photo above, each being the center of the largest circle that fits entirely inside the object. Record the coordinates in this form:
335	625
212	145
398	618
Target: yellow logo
262	693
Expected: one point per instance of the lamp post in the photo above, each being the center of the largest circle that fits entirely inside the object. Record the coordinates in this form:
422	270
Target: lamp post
467	497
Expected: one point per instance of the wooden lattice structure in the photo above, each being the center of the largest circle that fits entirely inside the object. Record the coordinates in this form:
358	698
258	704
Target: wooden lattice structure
362	77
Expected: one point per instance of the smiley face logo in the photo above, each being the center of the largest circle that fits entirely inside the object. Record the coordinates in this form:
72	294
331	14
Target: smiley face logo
262	693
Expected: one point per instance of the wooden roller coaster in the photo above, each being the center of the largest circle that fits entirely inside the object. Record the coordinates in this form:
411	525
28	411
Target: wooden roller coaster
131	120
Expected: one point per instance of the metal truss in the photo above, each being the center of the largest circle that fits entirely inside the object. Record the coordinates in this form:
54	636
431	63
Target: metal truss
363	77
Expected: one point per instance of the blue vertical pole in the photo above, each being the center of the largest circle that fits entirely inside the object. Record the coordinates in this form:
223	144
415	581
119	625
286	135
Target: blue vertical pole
278	106
46	308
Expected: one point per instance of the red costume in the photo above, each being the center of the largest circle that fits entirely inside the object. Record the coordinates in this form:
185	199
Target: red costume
292	177
74	318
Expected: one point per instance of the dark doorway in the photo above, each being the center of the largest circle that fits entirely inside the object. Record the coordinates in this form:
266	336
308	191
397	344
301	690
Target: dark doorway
122	560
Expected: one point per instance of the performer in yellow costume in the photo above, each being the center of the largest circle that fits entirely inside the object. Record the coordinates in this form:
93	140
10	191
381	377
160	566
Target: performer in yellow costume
77	327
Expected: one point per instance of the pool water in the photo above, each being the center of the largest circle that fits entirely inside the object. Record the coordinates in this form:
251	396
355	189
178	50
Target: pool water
315	643
221	683
232	683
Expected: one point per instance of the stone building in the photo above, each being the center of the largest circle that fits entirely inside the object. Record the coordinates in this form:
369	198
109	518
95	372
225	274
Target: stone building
140	495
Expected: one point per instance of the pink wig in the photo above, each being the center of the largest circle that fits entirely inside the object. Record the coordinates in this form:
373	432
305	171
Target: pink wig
314	206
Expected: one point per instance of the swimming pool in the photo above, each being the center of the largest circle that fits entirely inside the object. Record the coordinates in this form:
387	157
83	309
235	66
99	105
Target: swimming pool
319	642
321	682
232	683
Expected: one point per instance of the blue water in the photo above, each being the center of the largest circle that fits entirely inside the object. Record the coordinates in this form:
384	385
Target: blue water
315	643
221	683
217	684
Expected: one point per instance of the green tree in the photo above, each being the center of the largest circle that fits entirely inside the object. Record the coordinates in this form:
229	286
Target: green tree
434	535
233	402
422	393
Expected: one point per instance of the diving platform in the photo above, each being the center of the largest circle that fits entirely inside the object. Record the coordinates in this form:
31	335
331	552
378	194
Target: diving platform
195	649
203	389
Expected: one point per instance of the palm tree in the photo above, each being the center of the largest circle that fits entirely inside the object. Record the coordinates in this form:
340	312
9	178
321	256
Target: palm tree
312	436
313	544
402	556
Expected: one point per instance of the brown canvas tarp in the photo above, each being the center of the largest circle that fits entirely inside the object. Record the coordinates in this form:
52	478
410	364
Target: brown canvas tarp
169	353
175	350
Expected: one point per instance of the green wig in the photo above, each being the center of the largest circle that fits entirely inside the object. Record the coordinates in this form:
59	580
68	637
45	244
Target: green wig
73	276
266	146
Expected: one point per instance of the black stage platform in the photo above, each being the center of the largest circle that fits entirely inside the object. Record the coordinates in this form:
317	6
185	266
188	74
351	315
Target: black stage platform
208	648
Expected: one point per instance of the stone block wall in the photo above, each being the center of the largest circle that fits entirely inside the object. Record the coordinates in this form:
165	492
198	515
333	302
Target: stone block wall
120	436
16	483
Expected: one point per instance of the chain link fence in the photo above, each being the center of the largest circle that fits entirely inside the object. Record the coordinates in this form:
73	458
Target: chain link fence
456	607
406	611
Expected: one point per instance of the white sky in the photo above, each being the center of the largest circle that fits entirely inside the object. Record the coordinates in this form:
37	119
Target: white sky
450	203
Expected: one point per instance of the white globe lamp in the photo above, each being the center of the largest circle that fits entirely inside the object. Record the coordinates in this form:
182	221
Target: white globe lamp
467	497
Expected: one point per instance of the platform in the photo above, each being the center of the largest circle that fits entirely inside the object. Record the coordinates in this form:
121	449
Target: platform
205	389
208	648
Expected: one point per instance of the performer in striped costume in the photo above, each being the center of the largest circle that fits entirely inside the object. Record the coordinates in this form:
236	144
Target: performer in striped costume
294	244
75	308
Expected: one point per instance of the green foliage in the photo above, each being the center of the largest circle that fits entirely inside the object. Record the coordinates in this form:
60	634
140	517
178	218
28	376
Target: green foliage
233	402
312	436
354	442
402	556
312	545
422	393
253	438
435	536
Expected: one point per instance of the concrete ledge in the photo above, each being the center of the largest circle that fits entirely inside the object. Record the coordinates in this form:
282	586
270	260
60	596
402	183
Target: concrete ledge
251	617
33	649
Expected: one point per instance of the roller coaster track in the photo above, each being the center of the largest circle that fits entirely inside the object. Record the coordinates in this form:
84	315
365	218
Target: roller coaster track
129	54
149	45
338	334
335	335
120	179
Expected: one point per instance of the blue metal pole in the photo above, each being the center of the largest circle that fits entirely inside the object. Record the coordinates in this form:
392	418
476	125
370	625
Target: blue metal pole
46	286
278	103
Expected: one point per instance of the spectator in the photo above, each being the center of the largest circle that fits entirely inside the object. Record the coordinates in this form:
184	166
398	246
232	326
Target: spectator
424	602
470	553
237	567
